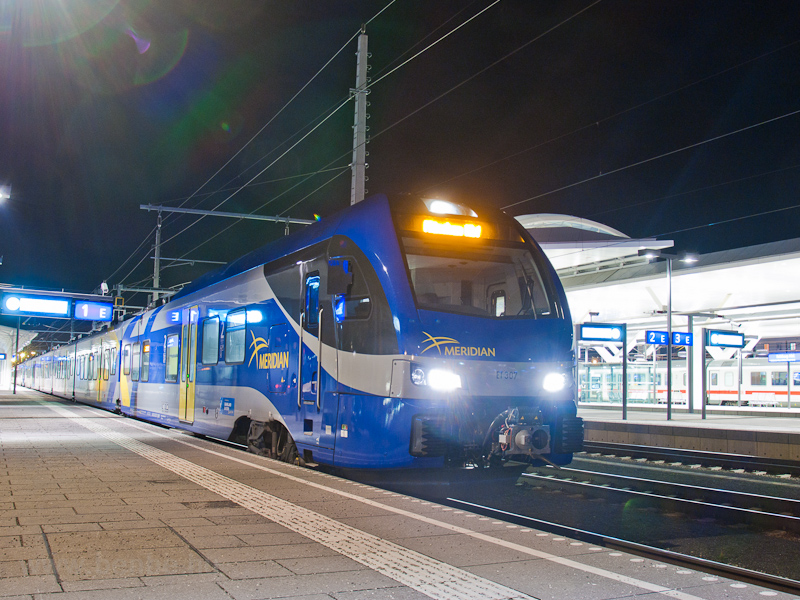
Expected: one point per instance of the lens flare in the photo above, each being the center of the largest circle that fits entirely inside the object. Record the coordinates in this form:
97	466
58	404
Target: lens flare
142	45
42	23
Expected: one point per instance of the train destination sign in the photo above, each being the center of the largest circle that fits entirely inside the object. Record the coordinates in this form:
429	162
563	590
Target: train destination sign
725	339
94	311
601	332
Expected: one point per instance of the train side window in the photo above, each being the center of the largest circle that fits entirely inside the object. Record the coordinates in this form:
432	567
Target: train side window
312	301
210	341
779	378
235	336
758	378
135	362
126	359
144	374
113	361
715	378
173	354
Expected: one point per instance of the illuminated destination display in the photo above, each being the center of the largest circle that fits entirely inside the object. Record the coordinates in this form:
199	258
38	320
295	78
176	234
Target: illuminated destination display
455	229
17	304
725	339
601	332
94	311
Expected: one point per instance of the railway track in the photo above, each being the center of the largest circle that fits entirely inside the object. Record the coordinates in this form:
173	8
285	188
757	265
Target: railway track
684	560
696	457
728	506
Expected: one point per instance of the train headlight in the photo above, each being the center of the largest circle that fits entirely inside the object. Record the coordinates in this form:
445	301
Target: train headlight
443	381
440	380
554	382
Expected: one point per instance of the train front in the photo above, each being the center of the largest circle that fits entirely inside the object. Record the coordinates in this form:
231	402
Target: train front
489	367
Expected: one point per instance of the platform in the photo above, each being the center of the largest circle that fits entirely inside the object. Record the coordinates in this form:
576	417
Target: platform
96	506
757	434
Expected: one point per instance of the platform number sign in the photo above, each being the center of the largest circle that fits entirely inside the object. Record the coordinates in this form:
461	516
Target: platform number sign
94	311
661	338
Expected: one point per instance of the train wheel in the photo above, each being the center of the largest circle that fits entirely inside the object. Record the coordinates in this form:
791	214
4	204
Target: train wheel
286	449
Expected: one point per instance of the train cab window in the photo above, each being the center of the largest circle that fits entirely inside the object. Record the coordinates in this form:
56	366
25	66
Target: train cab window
235	336
780	378
458	279
758	378
312	302
135	362
126	359
144	374
172	358
210	341
715	378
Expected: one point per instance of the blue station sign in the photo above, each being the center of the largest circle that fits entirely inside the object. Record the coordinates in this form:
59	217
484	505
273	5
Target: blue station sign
661	338
94	311
783	357
601	332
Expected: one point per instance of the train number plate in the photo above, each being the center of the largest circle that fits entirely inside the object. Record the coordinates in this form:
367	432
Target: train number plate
507	375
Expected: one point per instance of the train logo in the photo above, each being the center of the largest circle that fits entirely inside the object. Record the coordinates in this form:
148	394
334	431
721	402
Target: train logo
453	347
268	360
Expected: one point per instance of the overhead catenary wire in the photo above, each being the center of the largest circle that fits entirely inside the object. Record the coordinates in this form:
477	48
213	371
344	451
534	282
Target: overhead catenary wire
654	158
613	116
250	141
407	116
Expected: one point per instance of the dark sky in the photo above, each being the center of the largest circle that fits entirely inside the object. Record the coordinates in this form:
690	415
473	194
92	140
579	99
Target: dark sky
538	105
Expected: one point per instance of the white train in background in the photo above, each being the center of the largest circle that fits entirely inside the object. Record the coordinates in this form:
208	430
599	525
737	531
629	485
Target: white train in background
763	384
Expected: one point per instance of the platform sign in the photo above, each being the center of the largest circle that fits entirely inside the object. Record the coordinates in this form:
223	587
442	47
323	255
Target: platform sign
660	338
94	311
2	356
34	306
783	357
725	339
601	332
682	338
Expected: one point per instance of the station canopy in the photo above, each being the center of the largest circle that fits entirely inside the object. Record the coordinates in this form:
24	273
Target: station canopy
752	290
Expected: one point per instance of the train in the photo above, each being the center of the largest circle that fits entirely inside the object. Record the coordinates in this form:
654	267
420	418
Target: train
763	384
398	333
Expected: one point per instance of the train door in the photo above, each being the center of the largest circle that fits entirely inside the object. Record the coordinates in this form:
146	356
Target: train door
188	364
317	396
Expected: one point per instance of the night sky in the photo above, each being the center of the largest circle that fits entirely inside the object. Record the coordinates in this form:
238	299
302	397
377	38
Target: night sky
661	118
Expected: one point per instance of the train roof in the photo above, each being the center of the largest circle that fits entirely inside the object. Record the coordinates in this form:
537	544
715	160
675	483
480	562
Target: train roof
321	230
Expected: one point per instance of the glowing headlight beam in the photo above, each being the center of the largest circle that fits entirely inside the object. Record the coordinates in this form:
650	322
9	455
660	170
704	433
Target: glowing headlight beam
554	382
443	381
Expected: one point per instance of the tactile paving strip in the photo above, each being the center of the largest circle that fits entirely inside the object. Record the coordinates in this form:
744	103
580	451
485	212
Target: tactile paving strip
431	577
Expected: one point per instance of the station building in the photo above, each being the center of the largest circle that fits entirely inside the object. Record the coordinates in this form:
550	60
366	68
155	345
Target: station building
749	290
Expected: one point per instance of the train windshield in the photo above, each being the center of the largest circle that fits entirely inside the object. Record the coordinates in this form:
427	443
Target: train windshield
500	281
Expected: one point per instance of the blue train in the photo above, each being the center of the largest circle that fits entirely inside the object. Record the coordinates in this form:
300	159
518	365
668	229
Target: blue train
397	333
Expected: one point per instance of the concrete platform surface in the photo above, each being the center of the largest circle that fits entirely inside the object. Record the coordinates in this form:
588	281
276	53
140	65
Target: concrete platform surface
742	433
94	506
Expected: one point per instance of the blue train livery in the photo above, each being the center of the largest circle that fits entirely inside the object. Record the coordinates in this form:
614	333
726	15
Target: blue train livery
397	333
